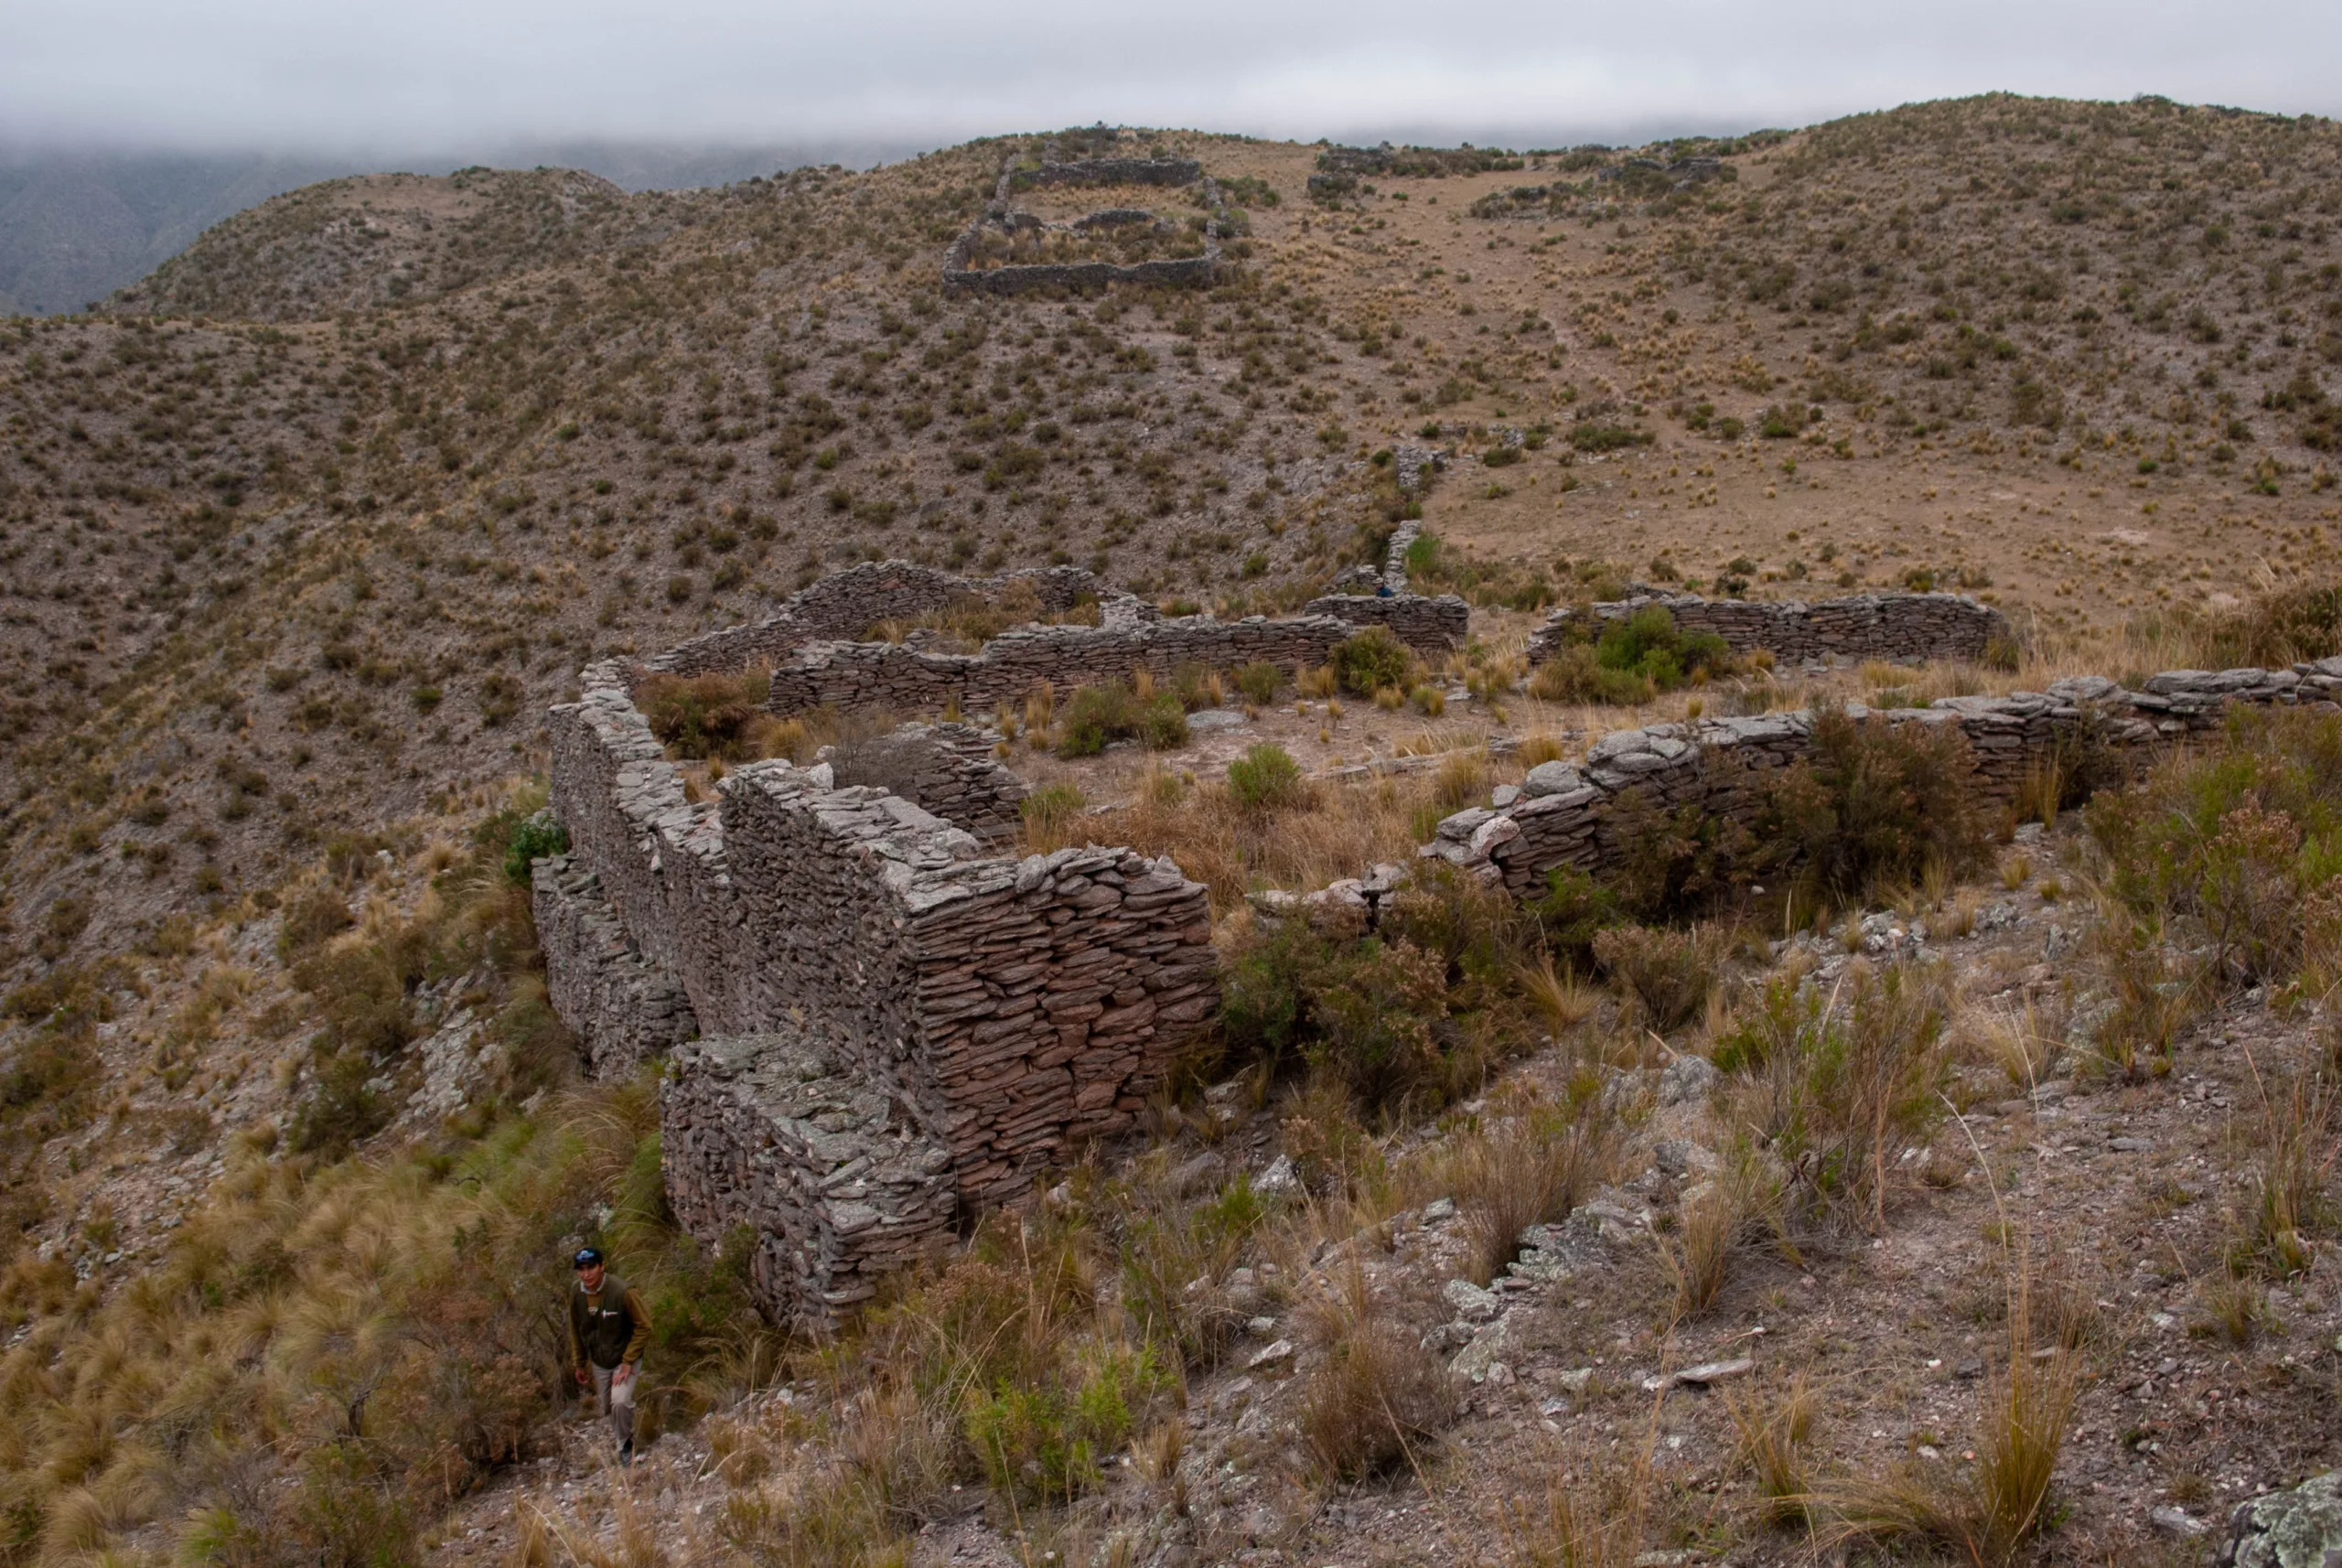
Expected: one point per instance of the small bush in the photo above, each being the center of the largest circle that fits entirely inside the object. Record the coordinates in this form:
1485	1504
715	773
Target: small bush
1668	974
1407	1016
2234	843
1374	1396
1258	680
708	715
1095	716
1573	909
1875	807
1266	778
1837	1087
1373	659
1573	674
1648	644
535	839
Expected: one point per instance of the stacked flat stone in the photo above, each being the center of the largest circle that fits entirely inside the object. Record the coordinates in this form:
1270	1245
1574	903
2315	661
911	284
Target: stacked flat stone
624	1009
1018	1005
1428	625
1864	626
864	676
837	1186
1563	812
846	604
1007	1009
945	769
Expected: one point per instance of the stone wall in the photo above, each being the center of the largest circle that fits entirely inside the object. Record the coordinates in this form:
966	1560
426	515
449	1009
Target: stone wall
837	1185
946	768
1110	171
1865	626
1002	1008
1428	625
853	676
844	606
1560	815
1169	272
624	1009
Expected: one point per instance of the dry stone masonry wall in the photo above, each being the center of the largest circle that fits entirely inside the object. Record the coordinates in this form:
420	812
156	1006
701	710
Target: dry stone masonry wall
836	1185
959	276
844	607
813	648
1865	626
946	768
1560	815
862	676
860	966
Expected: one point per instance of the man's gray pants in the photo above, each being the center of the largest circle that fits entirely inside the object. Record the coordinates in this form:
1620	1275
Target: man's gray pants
617	1398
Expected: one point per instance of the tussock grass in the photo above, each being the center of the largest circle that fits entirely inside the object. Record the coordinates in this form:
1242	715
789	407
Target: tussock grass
1375	1397
1775	1426
1530	1167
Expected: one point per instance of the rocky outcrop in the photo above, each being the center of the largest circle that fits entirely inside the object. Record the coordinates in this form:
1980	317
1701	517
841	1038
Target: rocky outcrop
2298	1528
1865	626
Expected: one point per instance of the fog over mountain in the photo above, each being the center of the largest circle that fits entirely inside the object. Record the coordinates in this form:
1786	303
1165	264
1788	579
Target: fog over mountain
78	222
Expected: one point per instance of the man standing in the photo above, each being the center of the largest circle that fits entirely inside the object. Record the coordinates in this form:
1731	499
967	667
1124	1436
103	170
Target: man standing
607	1330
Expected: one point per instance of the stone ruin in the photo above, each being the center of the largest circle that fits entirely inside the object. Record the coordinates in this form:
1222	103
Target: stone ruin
819	655
1561	816
1864	626
875	1025
1002	216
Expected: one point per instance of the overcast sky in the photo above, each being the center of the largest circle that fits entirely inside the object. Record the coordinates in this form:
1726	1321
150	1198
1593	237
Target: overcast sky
340	76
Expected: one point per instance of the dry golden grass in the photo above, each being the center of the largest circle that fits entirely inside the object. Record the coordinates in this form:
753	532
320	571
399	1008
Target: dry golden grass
1987	1513
1341	831
1775	1423
1531	1166
1376	1398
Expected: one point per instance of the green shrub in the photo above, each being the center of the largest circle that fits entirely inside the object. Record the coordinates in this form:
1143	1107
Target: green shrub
1674	864
1873	805
1095	716
1668	973
536	838
2234	844
1258	682
1574	675
1406	1016
1843	1082
1647	643
1372	660
1265	778
1573	909
1046	1441
1632	660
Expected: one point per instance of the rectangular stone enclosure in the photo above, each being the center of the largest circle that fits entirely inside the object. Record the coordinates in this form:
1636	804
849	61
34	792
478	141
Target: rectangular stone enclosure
894	1026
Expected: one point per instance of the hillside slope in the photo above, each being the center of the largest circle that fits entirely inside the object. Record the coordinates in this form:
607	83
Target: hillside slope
373	239
292	558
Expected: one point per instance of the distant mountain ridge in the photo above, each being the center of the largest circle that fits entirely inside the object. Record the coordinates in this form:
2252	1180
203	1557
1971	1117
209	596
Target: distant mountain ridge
76	226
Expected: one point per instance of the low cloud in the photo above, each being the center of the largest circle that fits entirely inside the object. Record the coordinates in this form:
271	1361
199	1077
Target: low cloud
297	76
